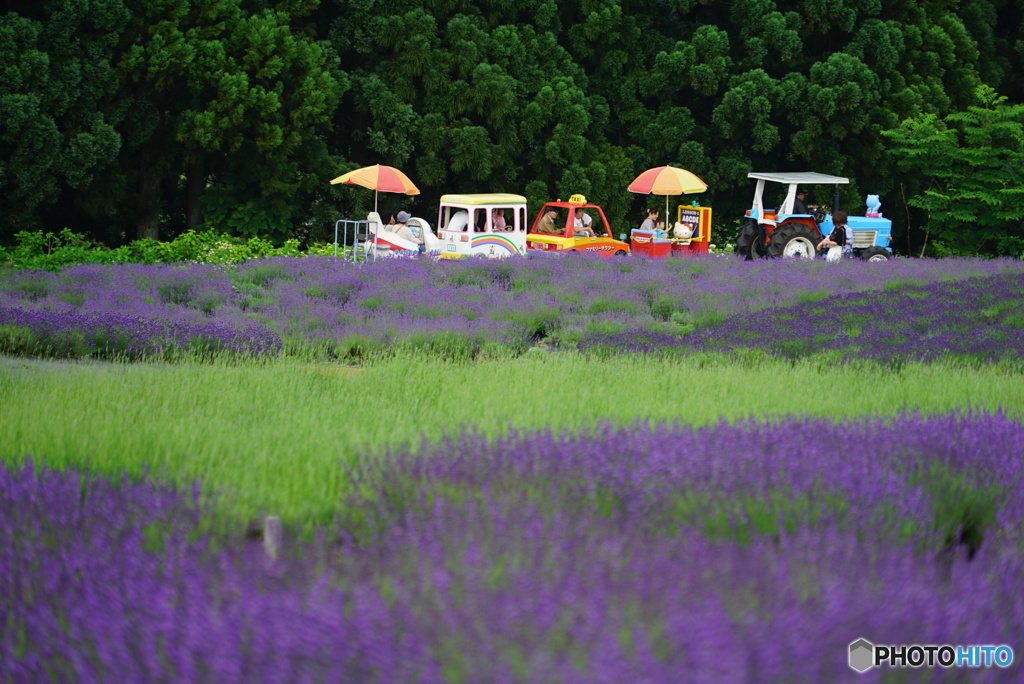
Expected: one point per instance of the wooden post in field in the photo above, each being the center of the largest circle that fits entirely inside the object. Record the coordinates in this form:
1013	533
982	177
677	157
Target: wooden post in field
272	536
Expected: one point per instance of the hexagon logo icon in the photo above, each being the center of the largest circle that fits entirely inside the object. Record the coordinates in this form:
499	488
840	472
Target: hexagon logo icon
862	655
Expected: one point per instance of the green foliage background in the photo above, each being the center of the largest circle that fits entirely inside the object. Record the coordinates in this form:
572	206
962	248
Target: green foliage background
128	119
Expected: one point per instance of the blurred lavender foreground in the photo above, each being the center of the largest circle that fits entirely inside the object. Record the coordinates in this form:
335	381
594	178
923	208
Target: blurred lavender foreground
335	309
749	553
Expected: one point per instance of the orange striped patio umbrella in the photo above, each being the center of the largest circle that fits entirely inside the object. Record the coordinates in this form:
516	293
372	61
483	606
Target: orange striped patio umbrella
379	178
667	180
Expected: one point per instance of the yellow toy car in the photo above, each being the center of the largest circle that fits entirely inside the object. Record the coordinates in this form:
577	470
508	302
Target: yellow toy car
573	226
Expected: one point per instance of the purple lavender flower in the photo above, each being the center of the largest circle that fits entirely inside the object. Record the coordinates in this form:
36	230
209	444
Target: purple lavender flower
109	334
643	553
978	318
335	308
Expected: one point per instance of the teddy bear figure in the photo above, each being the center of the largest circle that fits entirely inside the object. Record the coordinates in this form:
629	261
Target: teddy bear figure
873	205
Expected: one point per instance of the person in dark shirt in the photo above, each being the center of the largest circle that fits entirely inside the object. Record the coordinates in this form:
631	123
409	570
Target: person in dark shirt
798	204
841	236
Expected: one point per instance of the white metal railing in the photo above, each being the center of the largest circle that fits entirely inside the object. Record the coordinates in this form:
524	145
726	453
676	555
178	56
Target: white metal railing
358	228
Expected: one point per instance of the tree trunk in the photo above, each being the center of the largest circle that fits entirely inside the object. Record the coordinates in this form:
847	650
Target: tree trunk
195	185
148	225
906	209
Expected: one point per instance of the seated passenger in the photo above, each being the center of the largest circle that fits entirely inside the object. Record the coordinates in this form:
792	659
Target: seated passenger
649	223
498	219
405	232
546	225
582	224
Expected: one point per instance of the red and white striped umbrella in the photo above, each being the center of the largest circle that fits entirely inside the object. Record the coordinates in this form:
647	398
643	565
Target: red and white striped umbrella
667	180
379	178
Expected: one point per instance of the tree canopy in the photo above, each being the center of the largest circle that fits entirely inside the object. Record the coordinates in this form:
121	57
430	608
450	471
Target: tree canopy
130	118
973	165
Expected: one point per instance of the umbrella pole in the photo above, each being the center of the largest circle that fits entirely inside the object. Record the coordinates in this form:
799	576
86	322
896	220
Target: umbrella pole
376	233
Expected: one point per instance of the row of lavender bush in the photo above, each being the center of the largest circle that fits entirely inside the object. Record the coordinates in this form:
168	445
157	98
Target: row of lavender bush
334	308
979	318
108	334
544	558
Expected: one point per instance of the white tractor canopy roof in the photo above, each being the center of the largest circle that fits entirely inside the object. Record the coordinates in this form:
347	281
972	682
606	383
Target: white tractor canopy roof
800	178
793	180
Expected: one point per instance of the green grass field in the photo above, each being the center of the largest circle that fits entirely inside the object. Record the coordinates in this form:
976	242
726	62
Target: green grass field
272	437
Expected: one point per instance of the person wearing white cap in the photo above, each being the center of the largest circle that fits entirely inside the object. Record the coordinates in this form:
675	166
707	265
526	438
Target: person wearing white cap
404	231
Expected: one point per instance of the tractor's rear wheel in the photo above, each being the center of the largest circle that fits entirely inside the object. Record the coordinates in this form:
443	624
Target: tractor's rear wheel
795	240
876	253
746	243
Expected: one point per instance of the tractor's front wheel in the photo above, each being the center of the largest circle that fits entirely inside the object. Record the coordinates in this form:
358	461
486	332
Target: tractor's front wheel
795	240
746	243
876	253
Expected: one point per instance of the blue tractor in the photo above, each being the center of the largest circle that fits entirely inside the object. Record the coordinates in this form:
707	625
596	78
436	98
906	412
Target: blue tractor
783	233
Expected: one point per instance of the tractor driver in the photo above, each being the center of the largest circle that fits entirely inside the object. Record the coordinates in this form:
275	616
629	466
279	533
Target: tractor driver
798	204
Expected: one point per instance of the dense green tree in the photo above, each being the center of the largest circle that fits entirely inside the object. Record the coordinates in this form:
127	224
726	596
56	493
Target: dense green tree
139	114
59	111
473	97
997	26
725	88
969	166
128	116
237	102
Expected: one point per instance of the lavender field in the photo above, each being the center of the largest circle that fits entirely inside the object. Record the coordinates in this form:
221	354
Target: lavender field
730	553
333	309
570	470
